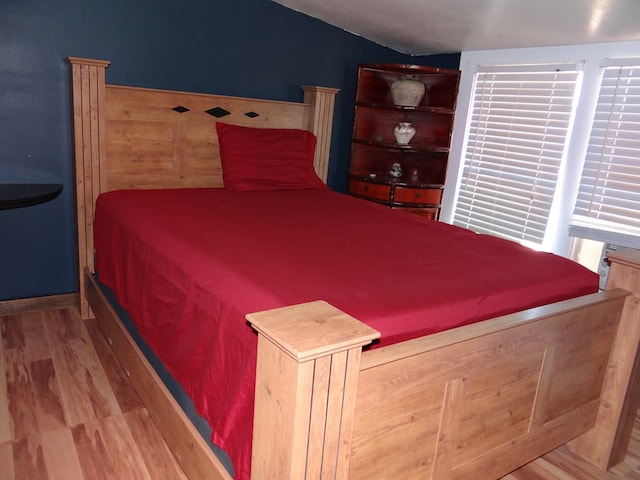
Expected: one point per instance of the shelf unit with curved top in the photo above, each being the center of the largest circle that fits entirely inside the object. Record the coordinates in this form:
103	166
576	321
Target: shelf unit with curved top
374	149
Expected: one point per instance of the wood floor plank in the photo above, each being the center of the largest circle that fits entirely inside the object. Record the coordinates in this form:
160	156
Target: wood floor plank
22	405
96	384
119	381
84	387
122	449
156	454
46	392
60	455
5	418
61	406
11	330
92	453
28	458
74	391
36	346
6	461
62	326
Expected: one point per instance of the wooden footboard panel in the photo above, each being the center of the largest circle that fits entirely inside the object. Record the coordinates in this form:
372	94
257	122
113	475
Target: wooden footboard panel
477	404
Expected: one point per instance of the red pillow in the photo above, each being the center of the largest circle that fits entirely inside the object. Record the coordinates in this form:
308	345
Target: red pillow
267	158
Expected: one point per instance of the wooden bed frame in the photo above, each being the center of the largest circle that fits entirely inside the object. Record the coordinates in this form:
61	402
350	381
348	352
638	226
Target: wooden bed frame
474	402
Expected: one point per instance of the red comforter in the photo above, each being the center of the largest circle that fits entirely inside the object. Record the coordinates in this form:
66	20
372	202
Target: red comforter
189	264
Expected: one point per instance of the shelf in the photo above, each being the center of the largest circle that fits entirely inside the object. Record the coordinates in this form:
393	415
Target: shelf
17	195
424	109
378	110
397	146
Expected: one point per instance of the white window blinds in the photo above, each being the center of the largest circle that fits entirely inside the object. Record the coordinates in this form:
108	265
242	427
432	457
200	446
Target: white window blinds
516	142
608	203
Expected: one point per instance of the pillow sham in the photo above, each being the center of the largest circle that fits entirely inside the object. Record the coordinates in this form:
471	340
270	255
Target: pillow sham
267	158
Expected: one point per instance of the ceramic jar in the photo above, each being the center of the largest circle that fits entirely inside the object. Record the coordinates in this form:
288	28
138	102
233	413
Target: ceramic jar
404	132
407	91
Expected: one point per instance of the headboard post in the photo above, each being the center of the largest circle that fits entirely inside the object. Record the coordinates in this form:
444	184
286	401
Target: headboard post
88	83
321	100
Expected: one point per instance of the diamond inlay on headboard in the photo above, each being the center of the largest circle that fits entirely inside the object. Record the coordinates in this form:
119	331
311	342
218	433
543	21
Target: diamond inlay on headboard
218	112
180	109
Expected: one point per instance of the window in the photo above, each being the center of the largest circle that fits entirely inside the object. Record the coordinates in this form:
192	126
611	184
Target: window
519	126
608	203
545	179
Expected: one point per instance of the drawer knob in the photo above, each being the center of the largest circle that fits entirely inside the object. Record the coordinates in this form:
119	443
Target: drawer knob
419	195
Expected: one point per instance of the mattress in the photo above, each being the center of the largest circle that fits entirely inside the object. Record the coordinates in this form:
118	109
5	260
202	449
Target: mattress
189	264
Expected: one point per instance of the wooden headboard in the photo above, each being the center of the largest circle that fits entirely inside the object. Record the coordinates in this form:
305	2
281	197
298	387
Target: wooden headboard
129	137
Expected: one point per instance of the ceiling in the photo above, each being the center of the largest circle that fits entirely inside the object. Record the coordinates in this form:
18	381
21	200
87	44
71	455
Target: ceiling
425	27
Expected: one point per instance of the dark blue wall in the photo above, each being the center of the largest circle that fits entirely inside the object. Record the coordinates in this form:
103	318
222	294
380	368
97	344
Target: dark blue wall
232	47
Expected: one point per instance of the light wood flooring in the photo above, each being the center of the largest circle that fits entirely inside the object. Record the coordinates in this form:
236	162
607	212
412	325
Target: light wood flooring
68	411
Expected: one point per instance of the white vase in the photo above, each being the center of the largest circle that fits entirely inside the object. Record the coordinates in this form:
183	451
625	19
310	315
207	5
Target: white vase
404	132
407	91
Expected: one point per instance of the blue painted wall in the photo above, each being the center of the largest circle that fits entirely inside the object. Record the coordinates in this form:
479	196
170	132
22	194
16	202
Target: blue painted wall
232	47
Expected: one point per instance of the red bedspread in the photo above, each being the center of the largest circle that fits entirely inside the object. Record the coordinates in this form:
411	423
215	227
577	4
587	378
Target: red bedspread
189	264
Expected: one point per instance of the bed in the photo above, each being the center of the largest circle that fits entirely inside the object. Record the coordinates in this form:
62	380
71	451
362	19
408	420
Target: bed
342	400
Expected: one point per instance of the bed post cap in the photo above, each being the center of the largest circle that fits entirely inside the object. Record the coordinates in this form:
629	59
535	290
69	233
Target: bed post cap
320	89
311	330
88	61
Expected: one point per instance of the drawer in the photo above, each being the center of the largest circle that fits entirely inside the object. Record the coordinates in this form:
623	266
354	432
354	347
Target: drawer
370	190
432	213
417	195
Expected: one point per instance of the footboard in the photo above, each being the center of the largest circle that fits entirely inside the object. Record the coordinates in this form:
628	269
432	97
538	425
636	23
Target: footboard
475	402
480	402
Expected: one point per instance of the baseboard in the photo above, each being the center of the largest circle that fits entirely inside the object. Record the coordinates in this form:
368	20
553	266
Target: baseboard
34	304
